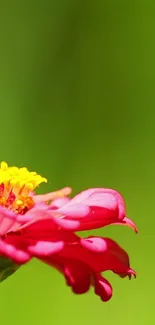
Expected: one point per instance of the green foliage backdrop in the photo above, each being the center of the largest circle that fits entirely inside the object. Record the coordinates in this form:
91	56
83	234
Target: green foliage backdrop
77	104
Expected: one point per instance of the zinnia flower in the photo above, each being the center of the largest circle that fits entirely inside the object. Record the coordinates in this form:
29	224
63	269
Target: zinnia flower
44	226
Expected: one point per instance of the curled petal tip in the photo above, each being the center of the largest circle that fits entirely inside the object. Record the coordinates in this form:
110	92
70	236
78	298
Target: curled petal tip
131	224
131	273
127	222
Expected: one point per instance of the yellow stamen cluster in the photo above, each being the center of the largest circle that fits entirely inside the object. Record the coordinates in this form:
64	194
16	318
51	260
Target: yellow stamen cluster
17	182
20	179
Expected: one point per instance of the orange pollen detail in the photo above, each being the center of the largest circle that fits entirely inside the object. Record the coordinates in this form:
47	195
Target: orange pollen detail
19	205
3	201
23	204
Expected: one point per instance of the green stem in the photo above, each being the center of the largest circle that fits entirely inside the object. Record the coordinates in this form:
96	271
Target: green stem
7	268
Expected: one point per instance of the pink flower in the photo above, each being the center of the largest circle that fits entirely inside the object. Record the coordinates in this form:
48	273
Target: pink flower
44	226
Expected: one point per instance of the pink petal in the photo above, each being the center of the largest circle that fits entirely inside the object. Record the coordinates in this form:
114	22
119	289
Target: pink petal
58	203
94	244
39	211
71	225
94	208
45	226
8	220
45	248
121	203
74	210
94	220
17	255
40	218
102	197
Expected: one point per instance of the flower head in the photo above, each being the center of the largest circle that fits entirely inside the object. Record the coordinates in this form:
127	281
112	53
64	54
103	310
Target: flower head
44	226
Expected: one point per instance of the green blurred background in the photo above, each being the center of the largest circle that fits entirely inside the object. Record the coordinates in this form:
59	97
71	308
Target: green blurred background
77	104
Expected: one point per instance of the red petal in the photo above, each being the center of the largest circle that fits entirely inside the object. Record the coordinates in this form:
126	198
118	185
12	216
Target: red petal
77	276
107	255
103	288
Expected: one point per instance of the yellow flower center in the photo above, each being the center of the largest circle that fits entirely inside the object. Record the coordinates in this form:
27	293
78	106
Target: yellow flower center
16	185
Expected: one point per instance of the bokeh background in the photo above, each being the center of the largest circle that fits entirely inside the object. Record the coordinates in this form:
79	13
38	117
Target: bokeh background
77	104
